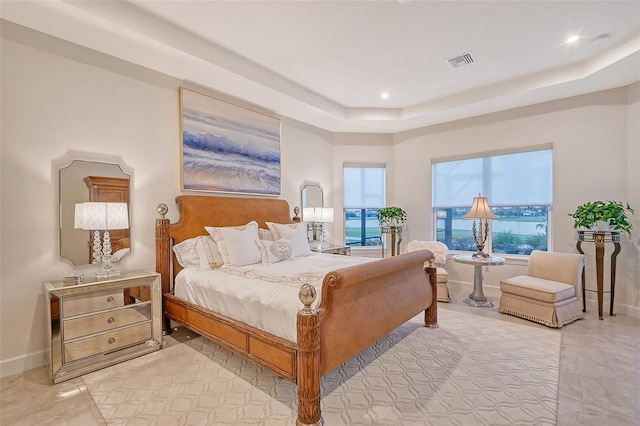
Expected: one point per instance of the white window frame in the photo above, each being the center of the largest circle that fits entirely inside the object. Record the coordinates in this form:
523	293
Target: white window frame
360	206
486	190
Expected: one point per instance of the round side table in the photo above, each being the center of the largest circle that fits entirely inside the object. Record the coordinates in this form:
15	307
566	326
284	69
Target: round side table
477	297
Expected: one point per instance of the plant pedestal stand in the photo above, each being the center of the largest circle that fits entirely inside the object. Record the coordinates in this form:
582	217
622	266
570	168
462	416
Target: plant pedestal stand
600	238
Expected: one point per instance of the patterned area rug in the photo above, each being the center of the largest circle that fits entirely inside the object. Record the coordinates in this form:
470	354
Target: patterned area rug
470	371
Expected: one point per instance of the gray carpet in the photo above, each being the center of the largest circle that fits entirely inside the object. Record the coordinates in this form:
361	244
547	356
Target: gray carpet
470	371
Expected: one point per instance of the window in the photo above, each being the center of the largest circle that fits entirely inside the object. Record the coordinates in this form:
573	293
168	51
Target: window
364	193
519	187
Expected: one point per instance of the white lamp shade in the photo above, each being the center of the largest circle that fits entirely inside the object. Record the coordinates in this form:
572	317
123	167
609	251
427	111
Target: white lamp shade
117	216
89	216
309	214
480	209
326	214
101	216
317	214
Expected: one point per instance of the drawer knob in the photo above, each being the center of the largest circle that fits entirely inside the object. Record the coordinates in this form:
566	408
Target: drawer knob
110	299
111	341
111	320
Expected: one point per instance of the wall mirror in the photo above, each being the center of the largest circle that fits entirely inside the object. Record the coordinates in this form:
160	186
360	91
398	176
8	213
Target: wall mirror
84	181
312	196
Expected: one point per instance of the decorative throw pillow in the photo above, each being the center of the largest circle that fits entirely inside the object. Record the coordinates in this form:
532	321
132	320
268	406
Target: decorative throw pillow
237	244
208	253
199	252
275	251
265	234
294	232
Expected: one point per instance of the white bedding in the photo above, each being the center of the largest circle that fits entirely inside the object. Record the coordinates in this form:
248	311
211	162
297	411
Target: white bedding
264	296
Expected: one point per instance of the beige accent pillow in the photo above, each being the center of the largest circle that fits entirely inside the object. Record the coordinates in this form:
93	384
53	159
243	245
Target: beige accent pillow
208	253
294	232
198	252
265	234
275	251
237	244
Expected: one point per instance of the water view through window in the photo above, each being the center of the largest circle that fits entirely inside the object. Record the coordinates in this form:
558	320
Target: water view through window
518	230
362	227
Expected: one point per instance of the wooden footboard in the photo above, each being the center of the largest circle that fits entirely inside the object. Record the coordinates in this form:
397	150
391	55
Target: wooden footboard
360	304
364	303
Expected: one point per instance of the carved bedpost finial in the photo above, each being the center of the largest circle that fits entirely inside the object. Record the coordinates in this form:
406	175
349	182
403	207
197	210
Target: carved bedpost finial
162	209
307	296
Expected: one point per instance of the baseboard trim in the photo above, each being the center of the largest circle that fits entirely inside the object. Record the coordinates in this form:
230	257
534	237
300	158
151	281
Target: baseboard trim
631	311
20	364
618	308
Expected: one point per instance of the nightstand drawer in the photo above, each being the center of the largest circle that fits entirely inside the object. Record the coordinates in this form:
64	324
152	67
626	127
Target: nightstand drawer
107	342
85	303
105	321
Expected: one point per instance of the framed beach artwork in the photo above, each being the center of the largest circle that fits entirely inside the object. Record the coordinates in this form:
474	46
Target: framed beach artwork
228	148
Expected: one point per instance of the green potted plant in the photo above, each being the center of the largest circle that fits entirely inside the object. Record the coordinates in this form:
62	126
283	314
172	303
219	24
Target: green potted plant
614	213
391	216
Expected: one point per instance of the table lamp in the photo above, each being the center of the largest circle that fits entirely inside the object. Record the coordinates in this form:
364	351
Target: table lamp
97	216
88	218
480	210
318	216
326	216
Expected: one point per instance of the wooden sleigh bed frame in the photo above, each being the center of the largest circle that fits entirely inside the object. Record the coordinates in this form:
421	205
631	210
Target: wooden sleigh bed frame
359	305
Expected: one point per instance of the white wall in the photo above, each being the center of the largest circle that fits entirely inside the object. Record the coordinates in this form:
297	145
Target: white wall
591	148
60	100
631	269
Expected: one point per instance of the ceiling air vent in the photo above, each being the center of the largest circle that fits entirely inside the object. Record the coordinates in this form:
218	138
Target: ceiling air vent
461	60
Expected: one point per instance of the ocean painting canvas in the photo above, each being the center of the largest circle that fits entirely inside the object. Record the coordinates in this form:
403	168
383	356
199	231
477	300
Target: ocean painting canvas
227	148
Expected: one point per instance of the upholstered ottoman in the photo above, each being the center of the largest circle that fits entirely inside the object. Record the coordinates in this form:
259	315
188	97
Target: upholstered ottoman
439	251
548	294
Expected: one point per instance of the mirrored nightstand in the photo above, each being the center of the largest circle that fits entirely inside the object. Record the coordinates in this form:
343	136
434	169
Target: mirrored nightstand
102	322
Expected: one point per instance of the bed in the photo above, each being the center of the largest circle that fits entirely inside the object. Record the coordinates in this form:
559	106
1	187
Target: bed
358	304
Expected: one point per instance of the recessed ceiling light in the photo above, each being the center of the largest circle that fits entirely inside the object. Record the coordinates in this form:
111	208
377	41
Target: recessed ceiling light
384	95
573	39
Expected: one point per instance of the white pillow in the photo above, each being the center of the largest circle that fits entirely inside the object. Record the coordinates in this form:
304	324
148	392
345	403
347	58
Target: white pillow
275	251
237	244
198	252
208	253
186	253
294	232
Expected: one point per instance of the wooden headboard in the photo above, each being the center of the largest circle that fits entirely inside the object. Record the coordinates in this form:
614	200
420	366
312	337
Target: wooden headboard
198	211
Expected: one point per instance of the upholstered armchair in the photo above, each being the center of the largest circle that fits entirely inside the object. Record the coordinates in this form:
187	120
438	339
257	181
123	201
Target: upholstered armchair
439	251
549	292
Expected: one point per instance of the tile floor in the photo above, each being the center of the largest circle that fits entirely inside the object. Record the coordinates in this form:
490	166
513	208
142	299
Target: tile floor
599	376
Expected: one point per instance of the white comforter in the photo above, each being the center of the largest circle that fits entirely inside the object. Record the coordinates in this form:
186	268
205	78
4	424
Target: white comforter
264	296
